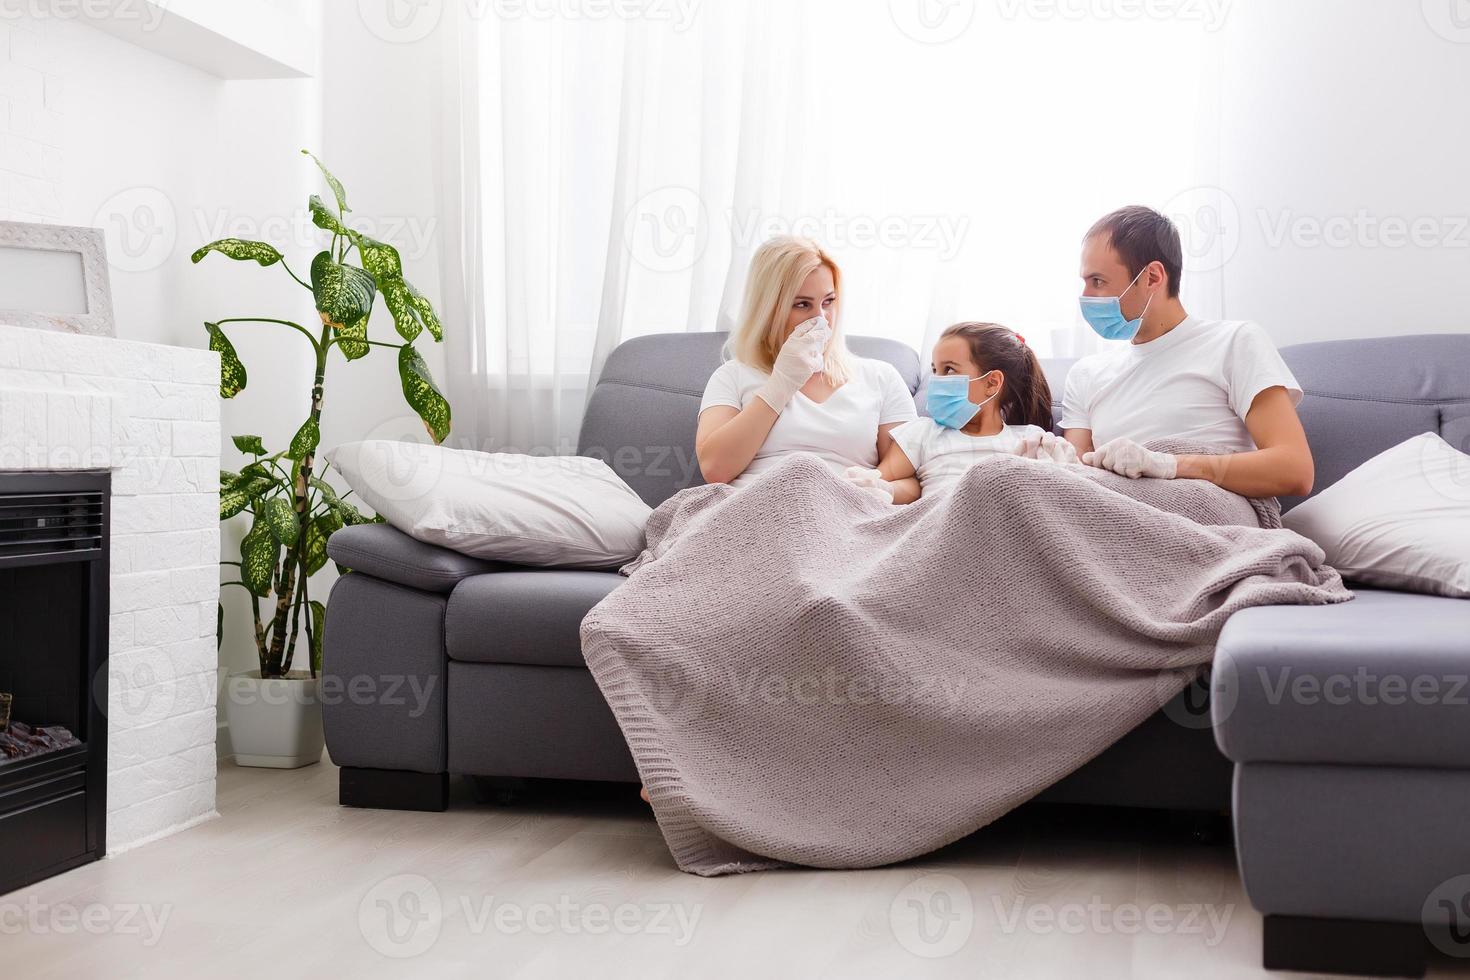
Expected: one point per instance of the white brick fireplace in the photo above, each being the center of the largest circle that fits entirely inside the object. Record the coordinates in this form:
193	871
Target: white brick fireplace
150	413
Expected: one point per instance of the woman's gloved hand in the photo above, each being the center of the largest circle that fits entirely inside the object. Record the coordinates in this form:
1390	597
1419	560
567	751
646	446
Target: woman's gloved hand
1127	458
801	356
1049	447
869	481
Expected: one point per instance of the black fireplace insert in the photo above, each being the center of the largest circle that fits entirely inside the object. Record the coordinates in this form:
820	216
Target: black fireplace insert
53	672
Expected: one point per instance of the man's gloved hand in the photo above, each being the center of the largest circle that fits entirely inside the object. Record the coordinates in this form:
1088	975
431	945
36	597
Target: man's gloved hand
1127	458
1050	448
801	357
869	481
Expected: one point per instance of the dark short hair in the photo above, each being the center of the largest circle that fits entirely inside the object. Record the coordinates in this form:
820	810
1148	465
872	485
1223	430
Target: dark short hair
1142	235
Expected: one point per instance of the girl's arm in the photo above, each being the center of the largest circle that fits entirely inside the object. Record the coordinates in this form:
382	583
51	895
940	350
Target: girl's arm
896	467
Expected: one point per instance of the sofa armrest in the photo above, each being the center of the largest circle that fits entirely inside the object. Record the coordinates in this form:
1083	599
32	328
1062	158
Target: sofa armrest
387	553
1379	681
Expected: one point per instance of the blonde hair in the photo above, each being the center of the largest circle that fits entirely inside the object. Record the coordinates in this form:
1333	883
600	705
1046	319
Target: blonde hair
777	271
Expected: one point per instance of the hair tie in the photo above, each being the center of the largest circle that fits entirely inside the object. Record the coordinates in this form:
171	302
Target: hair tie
1020	338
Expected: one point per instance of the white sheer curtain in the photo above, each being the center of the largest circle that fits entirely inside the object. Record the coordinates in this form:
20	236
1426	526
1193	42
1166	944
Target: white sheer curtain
609	177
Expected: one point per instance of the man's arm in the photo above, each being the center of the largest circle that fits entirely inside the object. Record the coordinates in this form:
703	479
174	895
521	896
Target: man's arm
1081	440
1281	466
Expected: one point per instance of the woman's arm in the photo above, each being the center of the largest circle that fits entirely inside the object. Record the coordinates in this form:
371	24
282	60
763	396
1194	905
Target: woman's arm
728	438
1282	464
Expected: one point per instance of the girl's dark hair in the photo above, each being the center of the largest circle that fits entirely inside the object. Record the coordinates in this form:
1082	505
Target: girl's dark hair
1026	397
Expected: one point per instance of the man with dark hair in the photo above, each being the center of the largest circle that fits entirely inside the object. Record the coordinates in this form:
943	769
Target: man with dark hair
1219	383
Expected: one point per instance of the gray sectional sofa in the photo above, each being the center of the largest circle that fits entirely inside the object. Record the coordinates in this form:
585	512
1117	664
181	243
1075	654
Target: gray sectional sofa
1347	815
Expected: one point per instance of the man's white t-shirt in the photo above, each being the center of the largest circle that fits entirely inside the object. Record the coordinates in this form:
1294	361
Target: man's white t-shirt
842	431
1195	383
941	455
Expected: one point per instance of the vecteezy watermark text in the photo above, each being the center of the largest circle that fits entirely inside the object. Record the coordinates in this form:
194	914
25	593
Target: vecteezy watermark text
34	917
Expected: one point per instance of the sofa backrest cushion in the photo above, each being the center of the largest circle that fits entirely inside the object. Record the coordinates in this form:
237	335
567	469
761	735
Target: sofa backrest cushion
1365	396
1361	397
643	413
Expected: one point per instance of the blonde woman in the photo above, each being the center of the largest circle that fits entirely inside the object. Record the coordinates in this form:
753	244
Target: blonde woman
790	384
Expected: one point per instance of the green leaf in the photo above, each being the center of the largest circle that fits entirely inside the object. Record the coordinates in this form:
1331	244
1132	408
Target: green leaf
379	258
249	444
426	313
350	339
231	369
318	637
304	443
314	546
332	182
422	394
259	552
347	514
240	250
325	219
411	311
228	479
328	492
281	517
344	297
237	496
400	303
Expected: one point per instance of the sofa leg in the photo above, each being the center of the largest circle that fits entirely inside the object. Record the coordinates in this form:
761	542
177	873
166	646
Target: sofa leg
392	789
1374	949
499	790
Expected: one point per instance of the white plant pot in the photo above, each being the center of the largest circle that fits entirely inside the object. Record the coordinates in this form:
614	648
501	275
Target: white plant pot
275	723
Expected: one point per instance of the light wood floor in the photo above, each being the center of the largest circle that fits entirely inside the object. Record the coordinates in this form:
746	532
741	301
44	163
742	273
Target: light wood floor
287	884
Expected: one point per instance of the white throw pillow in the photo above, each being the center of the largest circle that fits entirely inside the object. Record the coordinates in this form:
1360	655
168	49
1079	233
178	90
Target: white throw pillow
1401	520
546	511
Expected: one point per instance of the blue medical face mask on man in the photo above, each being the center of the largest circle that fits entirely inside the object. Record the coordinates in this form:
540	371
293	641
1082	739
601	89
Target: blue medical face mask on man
949	400
1105	314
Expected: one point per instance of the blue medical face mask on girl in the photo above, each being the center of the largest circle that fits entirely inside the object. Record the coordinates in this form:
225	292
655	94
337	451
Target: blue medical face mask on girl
1105	314
949	400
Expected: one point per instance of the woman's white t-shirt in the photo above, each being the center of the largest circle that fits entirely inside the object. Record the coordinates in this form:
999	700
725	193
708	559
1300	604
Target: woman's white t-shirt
842	431
1197	382
941	455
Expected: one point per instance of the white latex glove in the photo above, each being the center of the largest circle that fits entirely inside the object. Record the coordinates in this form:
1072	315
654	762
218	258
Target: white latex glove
1127	458
1049	447
801	357
869	481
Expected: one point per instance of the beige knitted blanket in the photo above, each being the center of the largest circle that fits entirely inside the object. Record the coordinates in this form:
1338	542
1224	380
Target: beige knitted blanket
807	676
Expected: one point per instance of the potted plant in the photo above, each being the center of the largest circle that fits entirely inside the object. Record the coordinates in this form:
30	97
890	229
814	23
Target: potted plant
274	713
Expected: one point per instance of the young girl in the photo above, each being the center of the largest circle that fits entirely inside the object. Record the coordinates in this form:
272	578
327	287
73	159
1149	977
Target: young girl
988	395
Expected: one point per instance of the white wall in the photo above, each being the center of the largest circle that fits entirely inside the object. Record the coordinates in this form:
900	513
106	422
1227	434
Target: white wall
95	130
98	131
1342	125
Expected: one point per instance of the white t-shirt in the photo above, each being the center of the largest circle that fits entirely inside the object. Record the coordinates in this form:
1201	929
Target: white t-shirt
941	455
843	430
1196	382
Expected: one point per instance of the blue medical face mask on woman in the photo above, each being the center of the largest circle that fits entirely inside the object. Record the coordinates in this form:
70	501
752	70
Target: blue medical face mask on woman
1105	314
949	400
